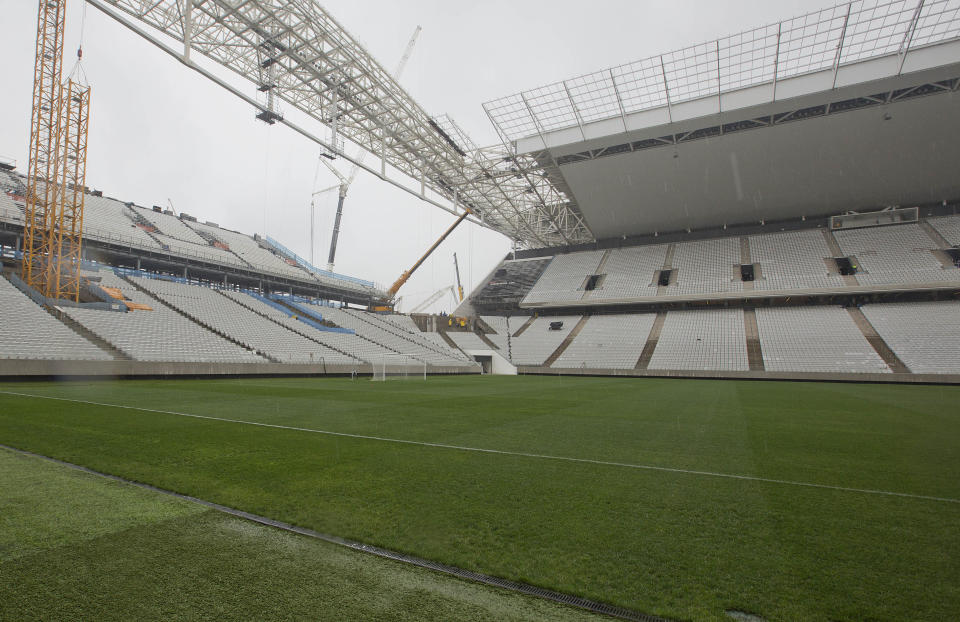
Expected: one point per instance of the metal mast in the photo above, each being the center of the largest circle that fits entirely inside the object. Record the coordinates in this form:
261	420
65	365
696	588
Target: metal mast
456	268
345	182
70	224
56	174
43	190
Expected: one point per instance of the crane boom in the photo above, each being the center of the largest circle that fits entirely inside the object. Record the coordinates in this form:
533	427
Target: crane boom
396	76
345	181
435	296
406	275
456	268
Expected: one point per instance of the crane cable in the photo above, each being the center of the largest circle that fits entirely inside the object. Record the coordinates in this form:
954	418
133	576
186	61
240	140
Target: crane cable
78	67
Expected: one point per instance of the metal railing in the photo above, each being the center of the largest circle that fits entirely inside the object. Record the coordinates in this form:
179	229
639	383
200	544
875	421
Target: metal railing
828	39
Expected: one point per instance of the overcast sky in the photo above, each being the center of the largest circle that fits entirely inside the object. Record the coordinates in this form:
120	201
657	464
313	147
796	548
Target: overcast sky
160	131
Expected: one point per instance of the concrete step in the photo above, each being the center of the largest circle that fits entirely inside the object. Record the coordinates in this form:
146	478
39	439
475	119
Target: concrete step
754	348
195	320
566	342
525	326
835	249
877	343
92	337
644	361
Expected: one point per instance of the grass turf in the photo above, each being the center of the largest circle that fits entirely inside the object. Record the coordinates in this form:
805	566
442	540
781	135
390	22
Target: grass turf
75	546
676	544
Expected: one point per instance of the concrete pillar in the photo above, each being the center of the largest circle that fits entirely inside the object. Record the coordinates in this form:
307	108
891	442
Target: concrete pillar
138	263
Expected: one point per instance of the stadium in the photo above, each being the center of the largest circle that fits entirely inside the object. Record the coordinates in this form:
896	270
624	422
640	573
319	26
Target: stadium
709	372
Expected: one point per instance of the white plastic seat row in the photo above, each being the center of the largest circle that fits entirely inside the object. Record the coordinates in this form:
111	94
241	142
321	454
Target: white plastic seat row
924	335
815	339
608	342
711	339
27	331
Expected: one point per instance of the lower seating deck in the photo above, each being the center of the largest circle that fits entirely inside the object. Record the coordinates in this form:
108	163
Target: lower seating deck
922	337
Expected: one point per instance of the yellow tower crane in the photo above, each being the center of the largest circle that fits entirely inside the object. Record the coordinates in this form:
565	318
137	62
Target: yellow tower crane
56	173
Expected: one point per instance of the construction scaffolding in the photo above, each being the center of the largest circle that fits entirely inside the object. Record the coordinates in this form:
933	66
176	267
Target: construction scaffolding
56	174
43	191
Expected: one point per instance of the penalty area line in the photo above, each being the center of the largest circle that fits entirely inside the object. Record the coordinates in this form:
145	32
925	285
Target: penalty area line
504	452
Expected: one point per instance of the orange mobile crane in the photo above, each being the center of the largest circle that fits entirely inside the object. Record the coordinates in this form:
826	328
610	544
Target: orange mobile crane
387	304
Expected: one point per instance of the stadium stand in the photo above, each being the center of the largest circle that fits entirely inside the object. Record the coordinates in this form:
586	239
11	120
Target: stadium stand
131	233
894	254
391	341
9	210
413	334
169	225
161	334
706	266
501	325
815	339
469	341
564	277
608	342
27	331
225	316
204	252
792	260
354	349
900	254
630	273
356	344
702	340
537	342
511	281
924	335
948	227
248	250
11	183
404	322
106	219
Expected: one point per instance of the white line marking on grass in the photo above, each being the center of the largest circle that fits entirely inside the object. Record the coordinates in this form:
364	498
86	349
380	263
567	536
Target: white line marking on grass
503	452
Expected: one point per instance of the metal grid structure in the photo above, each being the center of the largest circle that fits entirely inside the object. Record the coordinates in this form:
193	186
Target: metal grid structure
823	40
318	68
73	185
40	247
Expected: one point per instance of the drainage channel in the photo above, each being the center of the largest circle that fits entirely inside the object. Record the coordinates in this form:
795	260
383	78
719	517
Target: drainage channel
523	588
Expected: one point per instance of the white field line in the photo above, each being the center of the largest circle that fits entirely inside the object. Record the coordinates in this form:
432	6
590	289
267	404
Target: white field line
502	452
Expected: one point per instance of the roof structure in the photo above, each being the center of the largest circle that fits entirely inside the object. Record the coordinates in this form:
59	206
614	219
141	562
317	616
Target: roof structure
545	185
304	57
824	40
661	144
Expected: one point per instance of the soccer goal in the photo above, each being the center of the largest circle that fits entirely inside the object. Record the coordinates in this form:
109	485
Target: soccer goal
399	367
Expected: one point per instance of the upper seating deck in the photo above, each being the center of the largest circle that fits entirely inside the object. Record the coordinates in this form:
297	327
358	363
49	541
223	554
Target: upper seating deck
895	254
793	260
784	263
112	222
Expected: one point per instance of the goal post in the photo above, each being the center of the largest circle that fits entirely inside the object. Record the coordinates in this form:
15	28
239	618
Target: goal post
397	366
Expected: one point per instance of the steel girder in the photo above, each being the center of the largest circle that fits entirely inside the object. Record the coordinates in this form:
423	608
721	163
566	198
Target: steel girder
314	65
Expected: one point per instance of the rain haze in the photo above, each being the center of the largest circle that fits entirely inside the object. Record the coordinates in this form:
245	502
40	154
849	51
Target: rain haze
162	134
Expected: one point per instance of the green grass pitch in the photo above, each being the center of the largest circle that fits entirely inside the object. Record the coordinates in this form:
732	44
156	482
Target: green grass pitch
682	498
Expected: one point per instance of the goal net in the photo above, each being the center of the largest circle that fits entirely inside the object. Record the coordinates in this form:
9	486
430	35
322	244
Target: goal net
399	367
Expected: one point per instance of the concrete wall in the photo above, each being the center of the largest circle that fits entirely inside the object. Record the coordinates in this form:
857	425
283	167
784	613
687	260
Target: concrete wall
748	375
23	368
